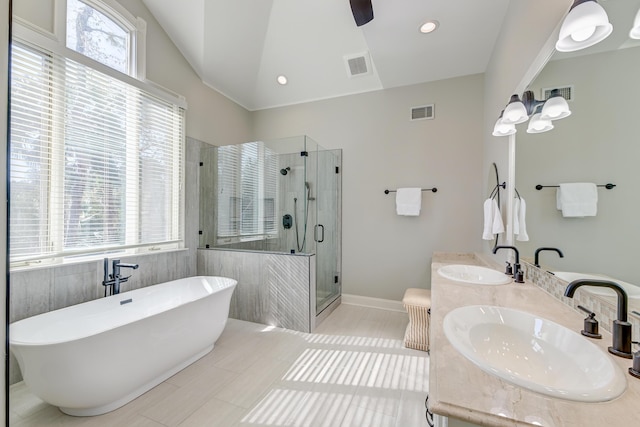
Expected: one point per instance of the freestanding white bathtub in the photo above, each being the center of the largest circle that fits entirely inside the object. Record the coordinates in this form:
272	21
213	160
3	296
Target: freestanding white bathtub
94	357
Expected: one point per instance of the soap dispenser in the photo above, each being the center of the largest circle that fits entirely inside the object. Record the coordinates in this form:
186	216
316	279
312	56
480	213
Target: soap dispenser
590	324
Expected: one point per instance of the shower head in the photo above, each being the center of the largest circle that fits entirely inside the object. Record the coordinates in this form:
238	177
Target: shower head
285	170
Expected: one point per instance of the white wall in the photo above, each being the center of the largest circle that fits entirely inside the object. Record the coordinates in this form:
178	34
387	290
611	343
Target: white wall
383	254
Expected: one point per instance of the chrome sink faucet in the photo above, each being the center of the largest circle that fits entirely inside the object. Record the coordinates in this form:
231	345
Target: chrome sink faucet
518	275
621	327
115	278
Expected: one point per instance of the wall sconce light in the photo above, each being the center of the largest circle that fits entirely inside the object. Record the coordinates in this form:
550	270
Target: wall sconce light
586	24
635	31
541	113
537	124
555	107
503	129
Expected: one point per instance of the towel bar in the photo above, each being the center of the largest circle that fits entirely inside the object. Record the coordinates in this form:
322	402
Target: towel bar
607	186
434	189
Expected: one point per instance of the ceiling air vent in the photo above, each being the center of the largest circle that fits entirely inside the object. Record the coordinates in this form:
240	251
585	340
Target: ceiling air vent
358	65
424	112
565	91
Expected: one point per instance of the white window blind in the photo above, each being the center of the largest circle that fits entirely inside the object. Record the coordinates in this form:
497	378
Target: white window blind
96	164
247	191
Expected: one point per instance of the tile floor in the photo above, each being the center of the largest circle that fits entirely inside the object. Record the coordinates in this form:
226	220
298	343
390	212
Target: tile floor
353	371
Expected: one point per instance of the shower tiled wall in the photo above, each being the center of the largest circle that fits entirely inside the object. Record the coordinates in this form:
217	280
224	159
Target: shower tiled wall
273	289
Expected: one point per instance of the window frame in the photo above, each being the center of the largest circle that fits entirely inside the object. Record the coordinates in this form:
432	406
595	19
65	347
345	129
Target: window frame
137	28
55	44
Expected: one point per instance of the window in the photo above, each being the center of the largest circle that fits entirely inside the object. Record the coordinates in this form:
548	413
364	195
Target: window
247	191
96	161
98	36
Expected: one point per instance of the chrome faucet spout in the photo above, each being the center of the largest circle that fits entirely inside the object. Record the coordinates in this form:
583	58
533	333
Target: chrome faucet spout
621	327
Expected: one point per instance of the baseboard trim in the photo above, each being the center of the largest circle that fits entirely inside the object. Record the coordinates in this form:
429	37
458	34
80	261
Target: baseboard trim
383	304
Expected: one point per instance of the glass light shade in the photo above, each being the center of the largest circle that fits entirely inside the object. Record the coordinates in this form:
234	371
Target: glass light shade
538	125
503	129
555	108
585	25
635	31
515	112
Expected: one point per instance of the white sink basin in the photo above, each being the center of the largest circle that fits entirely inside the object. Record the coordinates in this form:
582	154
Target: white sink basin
534	353
632	291
474	274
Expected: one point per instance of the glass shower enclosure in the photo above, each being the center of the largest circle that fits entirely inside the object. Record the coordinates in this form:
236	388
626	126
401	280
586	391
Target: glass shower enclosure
279	196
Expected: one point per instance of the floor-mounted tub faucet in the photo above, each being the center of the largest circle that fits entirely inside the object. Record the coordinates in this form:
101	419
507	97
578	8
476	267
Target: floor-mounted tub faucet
621	328
115	278
518	276
536	263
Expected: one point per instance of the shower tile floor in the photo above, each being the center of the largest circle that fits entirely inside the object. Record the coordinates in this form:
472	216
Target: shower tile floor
353	371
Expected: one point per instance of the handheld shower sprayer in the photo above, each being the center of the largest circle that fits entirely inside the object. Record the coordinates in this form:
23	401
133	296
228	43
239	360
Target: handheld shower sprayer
309	198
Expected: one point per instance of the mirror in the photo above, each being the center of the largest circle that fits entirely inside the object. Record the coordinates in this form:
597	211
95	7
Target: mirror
598	143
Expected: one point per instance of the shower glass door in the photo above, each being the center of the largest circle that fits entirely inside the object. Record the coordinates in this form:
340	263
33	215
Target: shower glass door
327	230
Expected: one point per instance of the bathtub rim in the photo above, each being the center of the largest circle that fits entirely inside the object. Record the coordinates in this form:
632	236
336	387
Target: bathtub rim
232	283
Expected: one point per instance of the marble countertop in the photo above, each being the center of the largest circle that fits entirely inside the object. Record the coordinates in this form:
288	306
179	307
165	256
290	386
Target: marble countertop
459	389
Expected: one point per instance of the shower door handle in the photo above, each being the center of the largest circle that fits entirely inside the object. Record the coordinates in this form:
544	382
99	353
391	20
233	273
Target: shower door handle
315	233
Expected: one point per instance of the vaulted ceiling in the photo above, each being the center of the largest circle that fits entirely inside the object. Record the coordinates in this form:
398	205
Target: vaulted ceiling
240	47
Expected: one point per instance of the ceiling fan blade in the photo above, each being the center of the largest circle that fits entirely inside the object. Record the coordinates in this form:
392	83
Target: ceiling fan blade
362	11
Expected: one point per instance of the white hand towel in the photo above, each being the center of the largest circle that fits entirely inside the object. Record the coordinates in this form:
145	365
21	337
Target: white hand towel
408	201
578	199
492	220
521	232
516	216
498	226
488	219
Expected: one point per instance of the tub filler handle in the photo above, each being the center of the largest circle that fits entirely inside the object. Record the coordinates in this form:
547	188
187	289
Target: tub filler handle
114	279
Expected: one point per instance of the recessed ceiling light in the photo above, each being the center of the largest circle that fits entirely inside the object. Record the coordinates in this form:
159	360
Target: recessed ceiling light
282	79
429	27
